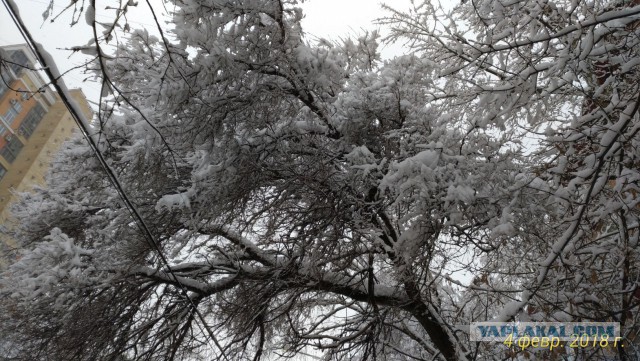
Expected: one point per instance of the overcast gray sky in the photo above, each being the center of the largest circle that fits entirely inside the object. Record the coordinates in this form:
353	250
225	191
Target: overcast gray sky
323	18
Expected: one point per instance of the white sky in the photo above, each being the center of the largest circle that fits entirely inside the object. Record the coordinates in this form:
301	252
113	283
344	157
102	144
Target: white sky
323	18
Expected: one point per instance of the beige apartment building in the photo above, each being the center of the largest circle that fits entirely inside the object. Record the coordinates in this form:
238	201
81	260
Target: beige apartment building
34	123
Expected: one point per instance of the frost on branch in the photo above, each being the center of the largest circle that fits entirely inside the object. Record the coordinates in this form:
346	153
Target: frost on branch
60	264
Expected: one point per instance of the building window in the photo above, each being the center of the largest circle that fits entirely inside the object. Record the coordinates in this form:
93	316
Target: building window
3	171
19	61
16	104
31	121
11	150
4	87
10	116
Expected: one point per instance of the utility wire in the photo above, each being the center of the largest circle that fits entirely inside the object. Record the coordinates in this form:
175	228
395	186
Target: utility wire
80	120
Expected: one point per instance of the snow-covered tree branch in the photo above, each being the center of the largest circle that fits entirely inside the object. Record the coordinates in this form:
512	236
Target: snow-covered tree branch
311	197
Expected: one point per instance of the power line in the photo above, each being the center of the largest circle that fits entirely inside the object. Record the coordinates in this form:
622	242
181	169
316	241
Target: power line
56	80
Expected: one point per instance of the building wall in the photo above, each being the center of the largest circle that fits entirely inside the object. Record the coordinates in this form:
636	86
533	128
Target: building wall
33	161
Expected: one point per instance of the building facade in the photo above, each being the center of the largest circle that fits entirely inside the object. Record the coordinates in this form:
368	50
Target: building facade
34	124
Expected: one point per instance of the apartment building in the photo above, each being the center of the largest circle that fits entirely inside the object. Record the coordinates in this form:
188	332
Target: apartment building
34	123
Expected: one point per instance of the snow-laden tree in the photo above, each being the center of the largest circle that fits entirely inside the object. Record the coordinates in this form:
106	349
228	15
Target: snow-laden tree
566	74
312	198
